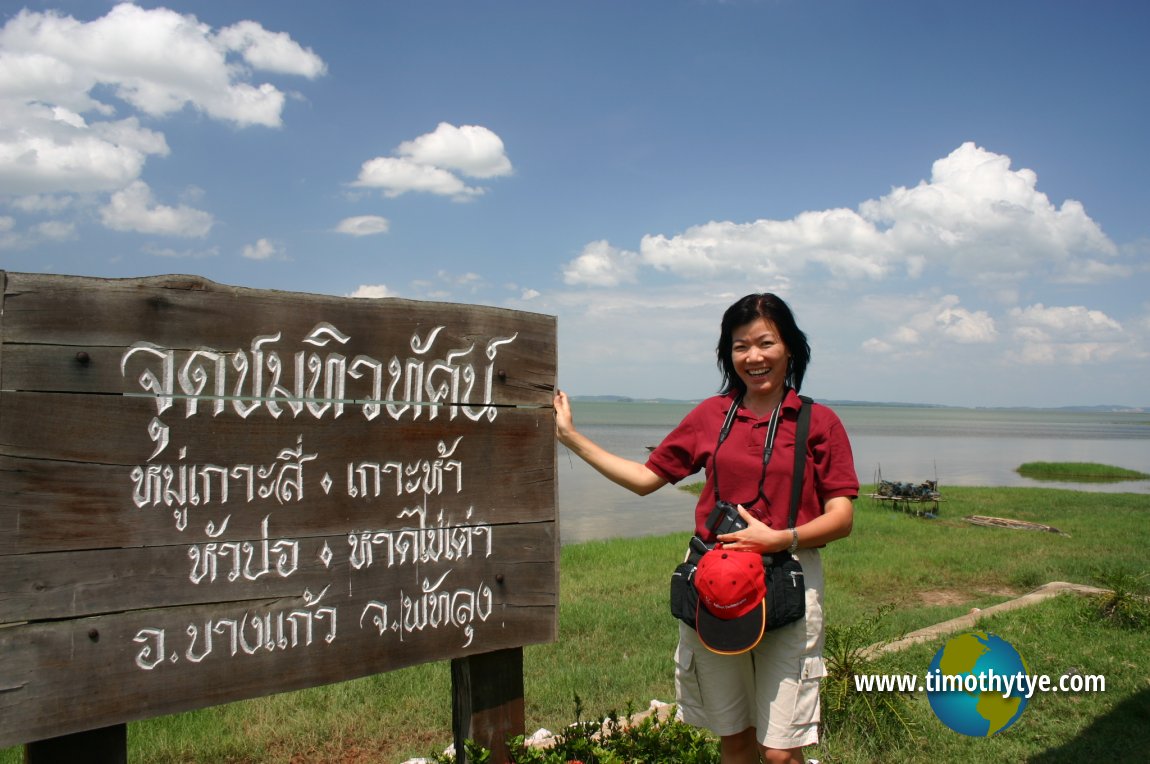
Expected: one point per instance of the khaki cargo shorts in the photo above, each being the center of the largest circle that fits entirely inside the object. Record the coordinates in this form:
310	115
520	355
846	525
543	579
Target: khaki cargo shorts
773	688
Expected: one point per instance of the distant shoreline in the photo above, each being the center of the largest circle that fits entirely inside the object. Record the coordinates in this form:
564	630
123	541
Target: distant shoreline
1101	408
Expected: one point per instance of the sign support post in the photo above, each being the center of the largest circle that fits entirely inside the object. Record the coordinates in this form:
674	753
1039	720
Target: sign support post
487	701
106	745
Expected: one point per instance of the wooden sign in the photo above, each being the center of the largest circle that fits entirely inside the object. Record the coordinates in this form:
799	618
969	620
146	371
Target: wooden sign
210	493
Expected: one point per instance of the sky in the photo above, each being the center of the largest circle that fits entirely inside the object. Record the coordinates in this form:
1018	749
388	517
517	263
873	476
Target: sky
953	197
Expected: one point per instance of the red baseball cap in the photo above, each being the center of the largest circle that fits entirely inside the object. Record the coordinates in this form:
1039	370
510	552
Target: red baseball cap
732	613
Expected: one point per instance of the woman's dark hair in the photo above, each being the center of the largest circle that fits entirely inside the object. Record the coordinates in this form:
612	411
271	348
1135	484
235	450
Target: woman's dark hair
772	308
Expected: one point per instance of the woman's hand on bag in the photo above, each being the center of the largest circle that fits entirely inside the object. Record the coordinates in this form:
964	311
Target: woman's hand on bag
756	537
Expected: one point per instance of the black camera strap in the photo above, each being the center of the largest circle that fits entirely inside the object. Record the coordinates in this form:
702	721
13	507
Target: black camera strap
732	412
768	445
801	432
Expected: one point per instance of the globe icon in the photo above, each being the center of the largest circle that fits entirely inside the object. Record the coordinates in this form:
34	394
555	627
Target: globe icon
974	686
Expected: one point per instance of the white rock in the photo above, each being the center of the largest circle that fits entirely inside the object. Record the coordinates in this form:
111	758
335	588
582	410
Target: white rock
541	736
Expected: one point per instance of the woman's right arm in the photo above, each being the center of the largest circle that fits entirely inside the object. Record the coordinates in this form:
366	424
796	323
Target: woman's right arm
632	475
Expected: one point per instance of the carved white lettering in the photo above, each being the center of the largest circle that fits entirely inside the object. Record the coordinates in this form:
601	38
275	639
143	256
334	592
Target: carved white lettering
428	539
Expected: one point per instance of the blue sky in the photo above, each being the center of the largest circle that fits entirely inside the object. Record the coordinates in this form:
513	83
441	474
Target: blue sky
952	196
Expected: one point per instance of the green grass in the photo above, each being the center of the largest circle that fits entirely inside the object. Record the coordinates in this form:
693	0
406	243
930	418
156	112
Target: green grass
616	639
1078	472
1055	637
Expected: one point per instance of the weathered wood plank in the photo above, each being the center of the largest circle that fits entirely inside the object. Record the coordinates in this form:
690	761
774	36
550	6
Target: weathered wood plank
66	676
115	430
92	368
68	481
82	583
70	333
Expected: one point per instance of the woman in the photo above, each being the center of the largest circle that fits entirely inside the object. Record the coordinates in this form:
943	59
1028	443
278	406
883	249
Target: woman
763	702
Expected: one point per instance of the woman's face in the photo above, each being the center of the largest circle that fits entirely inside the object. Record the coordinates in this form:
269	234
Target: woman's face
760	359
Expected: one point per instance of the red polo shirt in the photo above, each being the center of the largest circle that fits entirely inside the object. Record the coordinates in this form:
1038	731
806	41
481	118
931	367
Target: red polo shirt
830	467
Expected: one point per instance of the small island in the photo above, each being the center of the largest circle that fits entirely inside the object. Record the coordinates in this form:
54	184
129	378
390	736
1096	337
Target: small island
1085	472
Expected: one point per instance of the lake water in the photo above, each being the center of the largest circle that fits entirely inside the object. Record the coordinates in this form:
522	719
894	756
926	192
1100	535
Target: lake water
956	446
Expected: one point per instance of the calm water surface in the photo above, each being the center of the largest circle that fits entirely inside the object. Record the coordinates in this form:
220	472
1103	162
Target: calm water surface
967	447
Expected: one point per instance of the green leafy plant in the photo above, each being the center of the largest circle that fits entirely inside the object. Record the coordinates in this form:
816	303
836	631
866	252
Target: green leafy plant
612	740
1125	603
879	720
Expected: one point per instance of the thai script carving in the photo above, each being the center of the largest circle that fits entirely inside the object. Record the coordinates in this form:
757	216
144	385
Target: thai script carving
180	486
245	559
440	542
311	384
432	608
426	476
284	629
320	378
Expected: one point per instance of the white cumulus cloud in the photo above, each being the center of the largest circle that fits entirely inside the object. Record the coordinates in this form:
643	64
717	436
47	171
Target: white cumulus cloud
68	87
965	326
395	176
134	209
363	225
157	60
1069	335
471	149
263	249
980	220
373	291
840	239
271	51
602	265
975	220
42	151
944	321
430	163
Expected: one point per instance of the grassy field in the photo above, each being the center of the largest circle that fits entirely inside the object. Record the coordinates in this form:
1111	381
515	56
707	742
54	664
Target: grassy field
616	640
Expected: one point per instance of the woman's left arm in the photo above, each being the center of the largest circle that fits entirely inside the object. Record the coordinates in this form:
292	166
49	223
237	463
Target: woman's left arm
834	523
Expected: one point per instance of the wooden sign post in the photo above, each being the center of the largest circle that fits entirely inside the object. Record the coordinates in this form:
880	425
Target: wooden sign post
210	493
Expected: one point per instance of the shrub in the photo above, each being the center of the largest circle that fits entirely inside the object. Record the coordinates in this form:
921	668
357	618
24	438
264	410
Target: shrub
611	740
1125	604
878	721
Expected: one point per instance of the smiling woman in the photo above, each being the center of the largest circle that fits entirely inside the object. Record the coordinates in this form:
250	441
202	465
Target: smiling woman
758	692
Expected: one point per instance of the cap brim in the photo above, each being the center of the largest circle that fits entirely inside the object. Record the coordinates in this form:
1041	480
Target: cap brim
734	636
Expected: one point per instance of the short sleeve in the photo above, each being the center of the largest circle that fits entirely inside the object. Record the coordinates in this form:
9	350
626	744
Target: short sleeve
833	458
687	448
